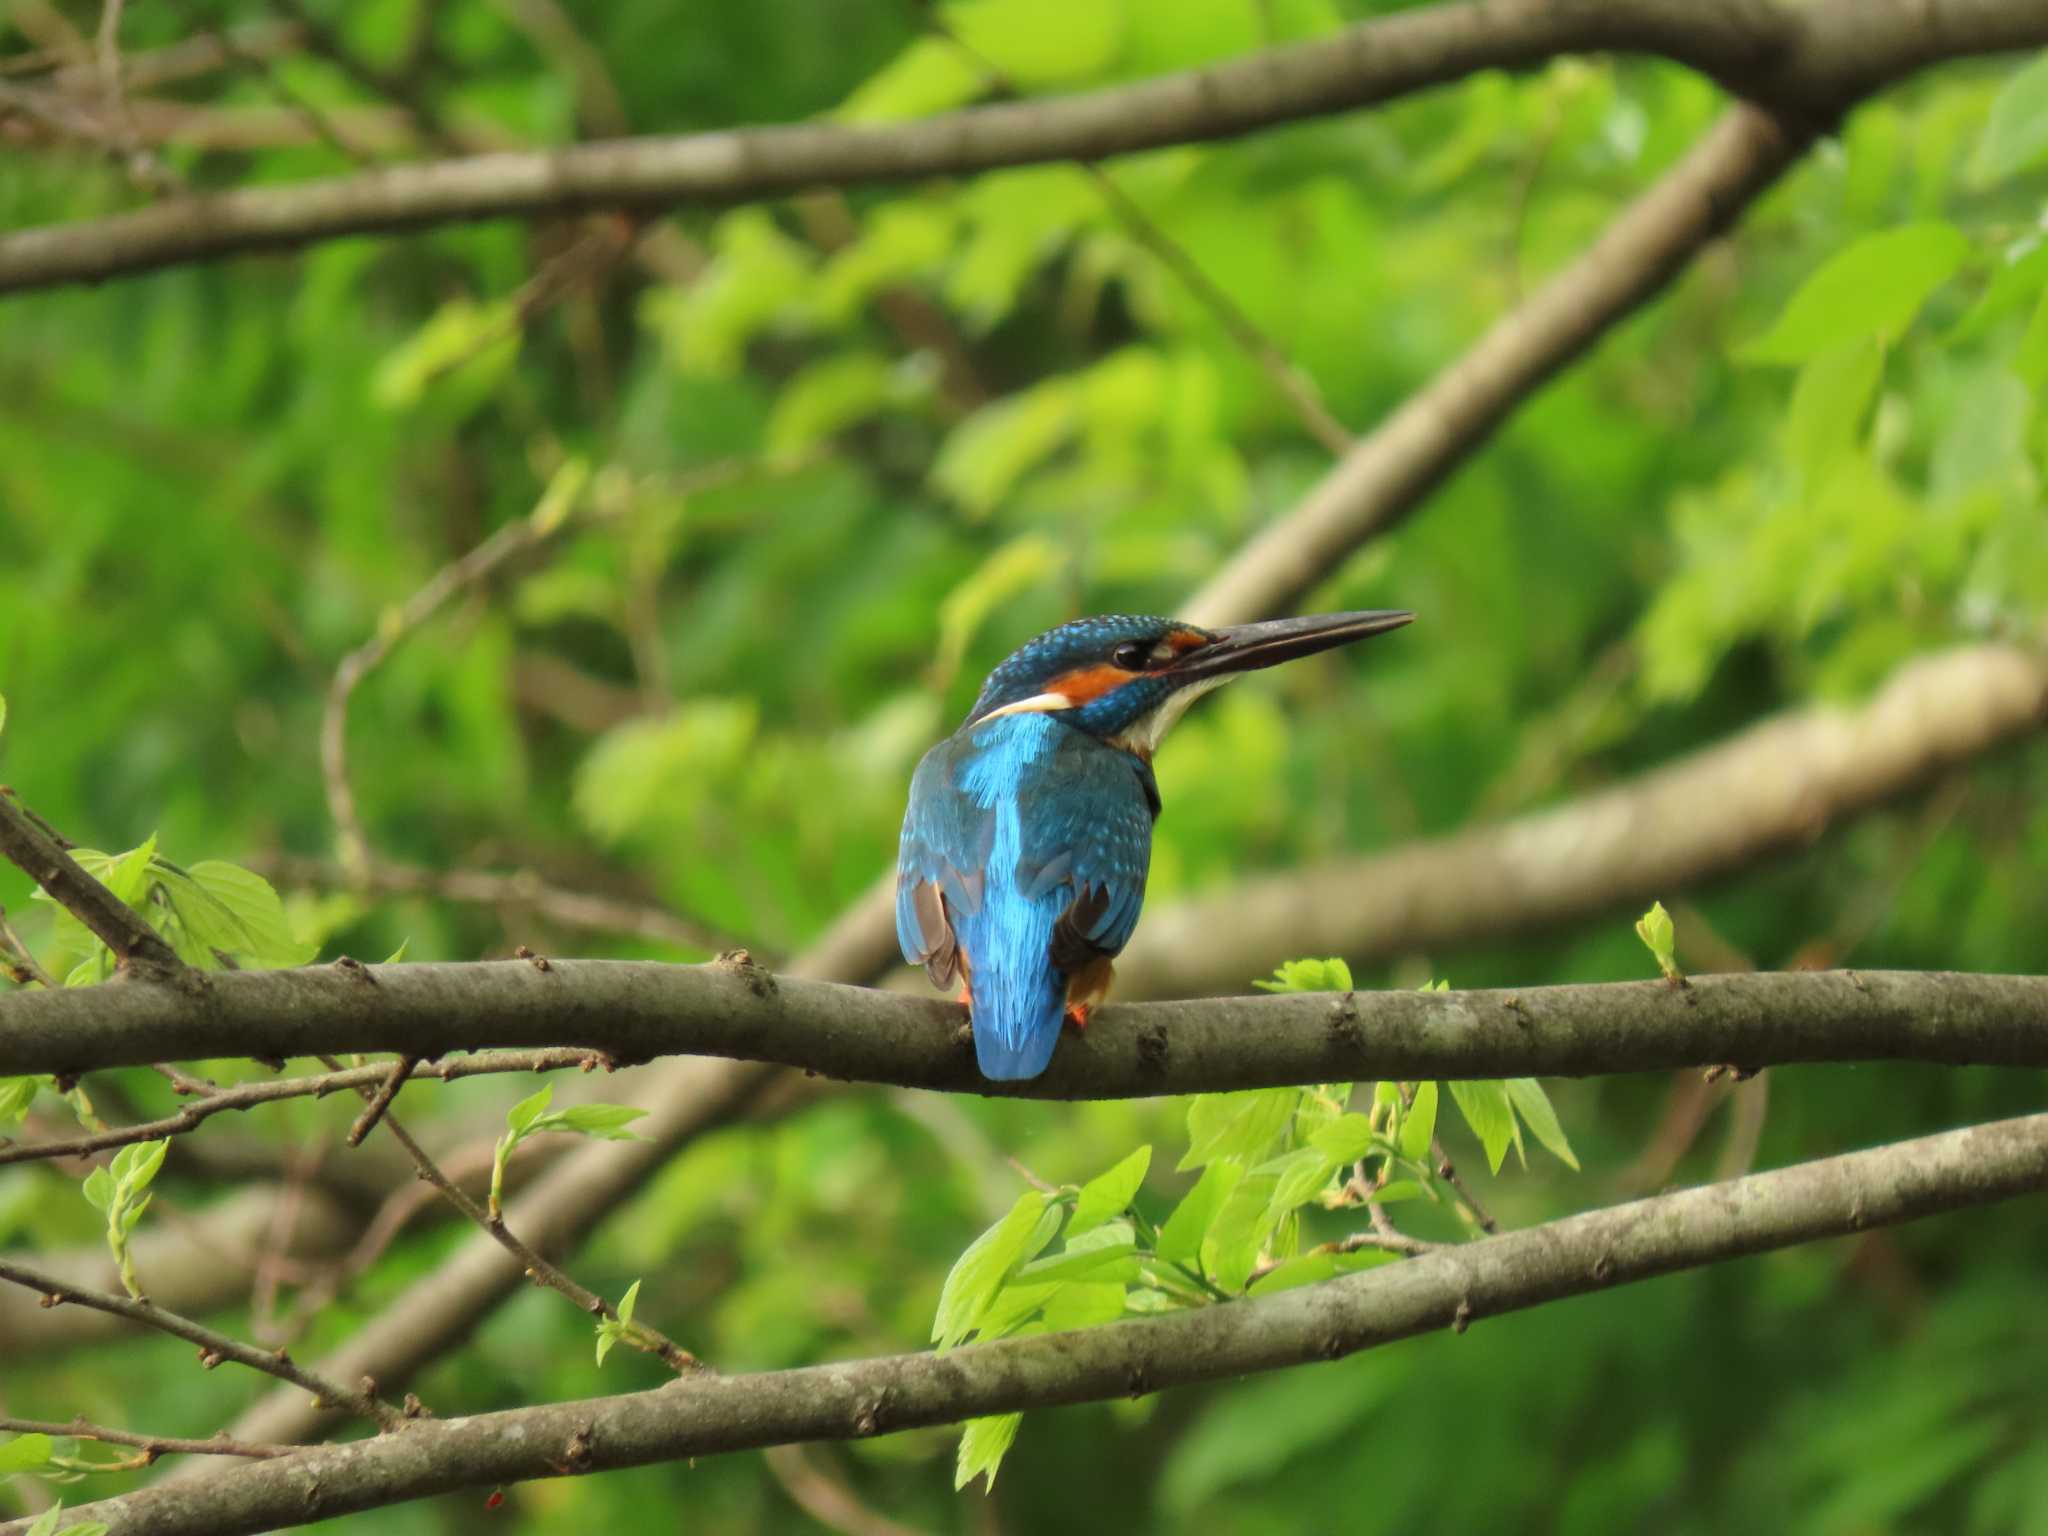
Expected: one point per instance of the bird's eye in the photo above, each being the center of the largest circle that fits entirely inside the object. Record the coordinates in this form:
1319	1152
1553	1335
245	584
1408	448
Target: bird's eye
1130	656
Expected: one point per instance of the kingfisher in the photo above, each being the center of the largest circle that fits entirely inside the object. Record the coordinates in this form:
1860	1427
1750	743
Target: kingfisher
1029	832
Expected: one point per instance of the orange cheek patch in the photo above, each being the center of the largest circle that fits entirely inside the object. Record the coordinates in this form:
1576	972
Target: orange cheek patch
1084	685
1185	640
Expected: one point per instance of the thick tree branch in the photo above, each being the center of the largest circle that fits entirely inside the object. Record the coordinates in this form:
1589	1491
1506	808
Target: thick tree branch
1809	60
1450	1287
636	1010
1772	788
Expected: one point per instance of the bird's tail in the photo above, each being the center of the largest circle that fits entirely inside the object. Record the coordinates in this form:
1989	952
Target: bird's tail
1018	1002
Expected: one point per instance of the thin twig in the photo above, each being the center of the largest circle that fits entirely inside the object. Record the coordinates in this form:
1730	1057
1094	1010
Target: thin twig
1448	1172
152	1446
213	1347
1293	384
11	942
380	1101
638	1334
825	1498
1286	376
269	1091
456	577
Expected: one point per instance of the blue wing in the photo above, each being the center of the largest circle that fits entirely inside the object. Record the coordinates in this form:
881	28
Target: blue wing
1023	859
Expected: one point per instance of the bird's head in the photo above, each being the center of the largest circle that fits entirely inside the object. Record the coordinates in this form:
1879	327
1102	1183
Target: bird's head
1125	678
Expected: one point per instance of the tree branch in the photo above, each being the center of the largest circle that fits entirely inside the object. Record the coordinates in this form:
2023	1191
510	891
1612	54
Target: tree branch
636	1010
1776	786
44	860
213	1347
1450	1287
1811	61
1387	475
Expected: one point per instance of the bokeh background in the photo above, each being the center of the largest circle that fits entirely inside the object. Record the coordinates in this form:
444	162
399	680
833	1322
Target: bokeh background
830	459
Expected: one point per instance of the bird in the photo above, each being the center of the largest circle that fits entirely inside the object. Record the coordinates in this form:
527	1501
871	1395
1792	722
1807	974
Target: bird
1028	835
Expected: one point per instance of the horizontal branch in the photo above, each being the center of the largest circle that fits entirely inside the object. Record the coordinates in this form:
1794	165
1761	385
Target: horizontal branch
1807	61
637	1010
1448	1288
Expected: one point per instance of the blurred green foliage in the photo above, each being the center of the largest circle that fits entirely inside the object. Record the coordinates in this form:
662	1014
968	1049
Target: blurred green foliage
844	453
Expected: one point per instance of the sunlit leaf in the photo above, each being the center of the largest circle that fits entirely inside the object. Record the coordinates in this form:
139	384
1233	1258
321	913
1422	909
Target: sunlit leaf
1533	1105
1109	1194
1872	289
979	1273
1181	1238
1418	1122
982	1447
1491	1116
2017	134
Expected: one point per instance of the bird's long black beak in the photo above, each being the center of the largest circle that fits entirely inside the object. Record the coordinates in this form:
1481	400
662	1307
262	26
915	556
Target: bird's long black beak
1247	647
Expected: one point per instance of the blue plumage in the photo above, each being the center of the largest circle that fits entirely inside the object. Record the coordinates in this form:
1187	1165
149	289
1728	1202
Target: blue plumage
1012	822
1029	831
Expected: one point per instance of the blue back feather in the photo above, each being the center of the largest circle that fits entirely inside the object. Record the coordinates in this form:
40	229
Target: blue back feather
1011	821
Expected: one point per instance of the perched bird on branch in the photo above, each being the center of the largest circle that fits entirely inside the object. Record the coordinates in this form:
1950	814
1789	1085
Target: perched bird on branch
1029	832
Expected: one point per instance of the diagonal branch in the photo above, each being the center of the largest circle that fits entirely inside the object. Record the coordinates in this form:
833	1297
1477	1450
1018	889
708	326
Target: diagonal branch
213	1347
1813	60
1711	814
44	860
1449	1287
1387	475
637	1010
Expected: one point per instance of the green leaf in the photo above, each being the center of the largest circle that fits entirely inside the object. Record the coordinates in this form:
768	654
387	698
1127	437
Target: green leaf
2016	282
1655	930
1487	1110
1418	1123
627	1302
1230	1251
1397	1190
605	1122
1872	289
521	1116
985	456
826	398
608	1334
1181	1238
463	344
225	907
3	713
1016	568
1533	1104
2017	134
1309	976
1088	1304
1299	1177
982	1447
2031	361
16	1095
1039	43
1307	1269
1107	1247
1109	1194
1237	1126
99	1188
980	1272
1347	1138
931	75
1829	403
24	1453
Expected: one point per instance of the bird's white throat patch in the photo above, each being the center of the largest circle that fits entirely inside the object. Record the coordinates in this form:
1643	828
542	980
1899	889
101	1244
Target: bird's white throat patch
1145	733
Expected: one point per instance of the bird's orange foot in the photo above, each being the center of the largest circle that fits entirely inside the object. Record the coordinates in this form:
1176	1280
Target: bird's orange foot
1077	1016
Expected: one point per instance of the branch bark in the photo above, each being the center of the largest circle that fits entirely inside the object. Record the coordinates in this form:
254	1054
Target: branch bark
1810	62
1447	1288
635	1010
1775	787
1387	475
